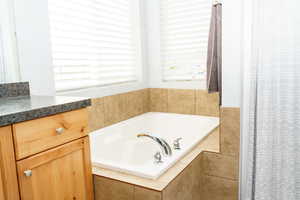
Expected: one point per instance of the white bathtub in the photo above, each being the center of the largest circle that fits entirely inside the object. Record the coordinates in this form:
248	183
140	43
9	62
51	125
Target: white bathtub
117	147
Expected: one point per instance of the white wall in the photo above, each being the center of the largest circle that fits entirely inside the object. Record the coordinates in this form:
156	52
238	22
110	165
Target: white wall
9	62
232	52
34	45
32	27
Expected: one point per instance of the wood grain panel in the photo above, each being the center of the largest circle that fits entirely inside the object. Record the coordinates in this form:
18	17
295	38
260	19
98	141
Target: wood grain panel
8	173
32	137
60	173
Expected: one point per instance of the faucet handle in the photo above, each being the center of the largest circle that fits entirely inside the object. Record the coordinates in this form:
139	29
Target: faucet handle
158	158
176	144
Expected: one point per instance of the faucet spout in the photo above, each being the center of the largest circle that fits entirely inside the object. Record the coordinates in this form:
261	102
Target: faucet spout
165	147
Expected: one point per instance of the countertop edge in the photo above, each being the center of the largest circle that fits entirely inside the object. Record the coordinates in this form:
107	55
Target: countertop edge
9	119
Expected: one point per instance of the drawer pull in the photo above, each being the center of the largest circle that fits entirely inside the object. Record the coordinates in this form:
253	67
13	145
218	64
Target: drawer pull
28	173
60	131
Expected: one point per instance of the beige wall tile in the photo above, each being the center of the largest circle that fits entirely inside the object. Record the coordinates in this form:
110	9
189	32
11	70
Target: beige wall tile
230	131
158	100
209	143
107	189
146	100
181	101
96	114
212	142
186	185
214	188
114	107
145	194
134	103
215	164
207	104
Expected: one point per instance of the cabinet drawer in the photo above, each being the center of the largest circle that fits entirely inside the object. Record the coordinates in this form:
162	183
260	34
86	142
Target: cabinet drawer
38	135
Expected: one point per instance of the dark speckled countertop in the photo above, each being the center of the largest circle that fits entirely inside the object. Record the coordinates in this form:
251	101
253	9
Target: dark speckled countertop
15	108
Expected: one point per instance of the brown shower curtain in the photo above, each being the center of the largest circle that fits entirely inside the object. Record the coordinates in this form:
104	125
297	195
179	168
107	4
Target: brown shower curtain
214	55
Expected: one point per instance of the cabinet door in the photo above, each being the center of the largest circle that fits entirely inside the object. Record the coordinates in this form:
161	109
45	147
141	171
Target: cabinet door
58	174
8	172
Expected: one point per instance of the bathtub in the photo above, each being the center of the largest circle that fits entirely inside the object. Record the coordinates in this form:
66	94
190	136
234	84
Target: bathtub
117	147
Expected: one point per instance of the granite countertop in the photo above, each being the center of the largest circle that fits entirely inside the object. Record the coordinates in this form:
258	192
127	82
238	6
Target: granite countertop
15	108
23	108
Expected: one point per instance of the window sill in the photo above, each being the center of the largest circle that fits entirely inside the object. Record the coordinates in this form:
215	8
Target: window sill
106	90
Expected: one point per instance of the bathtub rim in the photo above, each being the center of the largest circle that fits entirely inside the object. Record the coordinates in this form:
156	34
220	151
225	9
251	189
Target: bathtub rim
211	143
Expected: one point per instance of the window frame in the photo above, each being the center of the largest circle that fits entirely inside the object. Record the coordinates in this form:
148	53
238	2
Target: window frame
137	17
187	82
8	44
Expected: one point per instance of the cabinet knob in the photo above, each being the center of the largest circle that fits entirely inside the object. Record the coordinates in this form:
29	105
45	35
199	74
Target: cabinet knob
60	130
28	173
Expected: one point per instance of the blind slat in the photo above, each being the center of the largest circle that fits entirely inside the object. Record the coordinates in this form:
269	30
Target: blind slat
184	38
93	43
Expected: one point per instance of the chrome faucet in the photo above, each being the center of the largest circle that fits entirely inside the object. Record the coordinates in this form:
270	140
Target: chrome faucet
165	147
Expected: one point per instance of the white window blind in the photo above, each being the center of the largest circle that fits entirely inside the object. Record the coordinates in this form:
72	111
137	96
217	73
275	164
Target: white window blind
184	38
94	42
9	62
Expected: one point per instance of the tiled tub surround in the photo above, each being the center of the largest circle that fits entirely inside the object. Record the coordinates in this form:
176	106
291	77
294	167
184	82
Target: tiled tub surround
195	102
220	171
109	110
183	181
212	174
117	147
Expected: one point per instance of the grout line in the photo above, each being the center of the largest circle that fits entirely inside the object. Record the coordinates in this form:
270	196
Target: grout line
167	91
220	177
133	198
195	102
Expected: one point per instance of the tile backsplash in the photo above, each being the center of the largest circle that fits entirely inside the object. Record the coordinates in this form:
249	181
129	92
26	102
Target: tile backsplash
181	101
14	89
109	110
196	102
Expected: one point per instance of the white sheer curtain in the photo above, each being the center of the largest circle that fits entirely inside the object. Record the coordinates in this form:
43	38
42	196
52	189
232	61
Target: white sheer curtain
9	67
271	110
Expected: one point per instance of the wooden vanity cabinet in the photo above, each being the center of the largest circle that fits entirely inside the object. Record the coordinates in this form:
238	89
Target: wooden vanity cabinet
46	159
8	173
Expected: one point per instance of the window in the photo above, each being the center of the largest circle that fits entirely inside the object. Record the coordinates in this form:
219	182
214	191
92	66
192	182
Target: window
184	38
94	42
9	66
